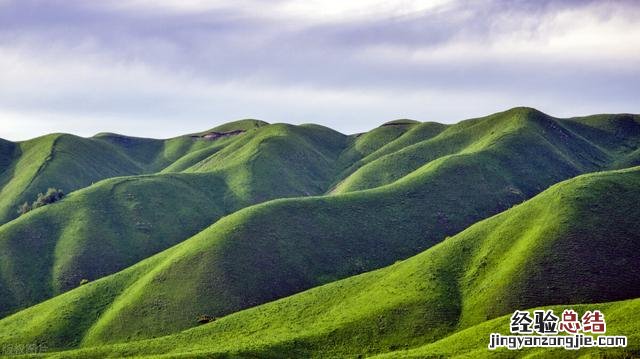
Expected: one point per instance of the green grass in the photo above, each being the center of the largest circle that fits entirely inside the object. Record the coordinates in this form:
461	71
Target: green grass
366	143
577	242
383	141
61	161
623	318
587	144
394	192
245	124
118	222
71	162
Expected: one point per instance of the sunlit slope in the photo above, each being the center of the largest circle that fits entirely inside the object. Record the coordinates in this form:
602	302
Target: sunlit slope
577	242
115	223
265	342
587	144
303	157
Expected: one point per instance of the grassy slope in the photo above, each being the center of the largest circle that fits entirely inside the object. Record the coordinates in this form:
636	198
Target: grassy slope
577	242
70	162
160	155
115	223
269	251
285	156
591	142
615	132
246	124
384	140
623	318
62	161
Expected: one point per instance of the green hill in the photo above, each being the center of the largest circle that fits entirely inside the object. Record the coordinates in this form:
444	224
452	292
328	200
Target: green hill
622	319
288	246
61	161
117	222
245	125
70	162
577	242
587	144
393	192
382	141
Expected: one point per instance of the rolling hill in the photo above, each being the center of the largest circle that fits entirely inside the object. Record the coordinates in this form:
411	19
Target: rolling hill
586	144
575	243
117	222
246	213
63	161
71	162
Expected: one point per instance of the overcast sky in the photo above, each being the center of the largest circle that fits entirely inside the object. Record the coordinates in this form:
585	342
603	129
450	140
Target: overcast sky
140	68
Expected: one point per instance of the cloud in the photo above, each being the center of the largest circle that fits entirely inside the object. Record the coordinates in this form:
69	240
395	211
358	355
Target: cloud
127	66
298	10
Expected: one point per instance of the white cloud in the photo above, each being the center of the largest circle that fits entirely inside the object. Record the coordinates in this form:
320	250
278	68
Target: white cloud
23	125
140	77
333	10
172	5
294	10
58	93
85	96
581	36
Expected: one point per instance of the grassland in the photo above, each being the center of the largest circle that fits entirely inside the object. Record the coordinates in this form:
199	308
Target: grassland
219	227
71	162
577	242
622	319
117	222
587	144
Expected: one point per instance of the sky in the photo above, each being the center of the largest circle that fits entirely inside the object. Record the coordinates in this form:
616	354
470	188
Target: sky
163	68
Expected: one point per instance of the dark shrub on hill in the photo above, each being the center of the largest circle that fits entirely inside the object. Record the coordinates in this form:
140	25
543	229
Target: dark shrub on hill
204	319
52	195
